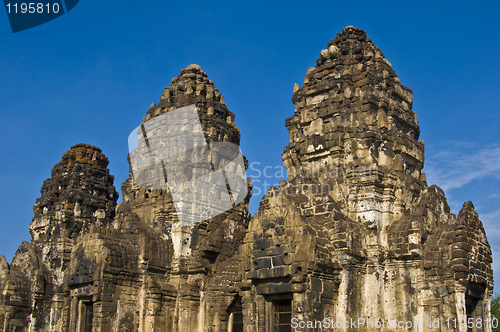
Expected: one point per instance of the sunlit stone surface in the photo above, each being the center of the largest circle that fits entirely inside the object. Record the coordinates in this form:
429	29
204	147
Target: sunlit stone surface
355	234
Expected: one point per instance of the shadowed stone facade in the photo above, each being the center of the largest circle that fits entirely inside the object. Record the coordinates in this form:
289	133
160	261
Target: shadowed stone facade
354	233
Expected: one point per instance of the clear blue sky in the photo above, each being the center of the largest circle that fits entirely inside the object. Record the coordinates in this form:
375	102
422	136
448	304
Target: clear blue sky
91	75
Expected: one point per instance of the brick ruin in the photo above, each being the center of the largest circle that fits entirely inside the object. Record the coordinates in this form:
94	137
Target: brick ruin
355	232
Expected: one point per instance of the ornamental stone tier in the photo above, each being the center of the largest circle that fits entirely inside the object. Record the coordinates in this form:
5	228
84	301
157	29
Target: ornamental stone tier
354	235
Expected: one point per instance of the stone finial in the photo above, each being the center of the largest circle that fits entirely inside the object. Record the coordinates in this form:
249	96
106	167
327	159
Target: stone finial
189	84
4	266
423	177
193	67
468	204
352	30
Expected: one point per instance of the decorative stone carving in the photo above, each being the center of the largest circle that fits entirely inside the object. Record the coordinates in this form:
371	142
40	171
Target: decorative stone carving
355	234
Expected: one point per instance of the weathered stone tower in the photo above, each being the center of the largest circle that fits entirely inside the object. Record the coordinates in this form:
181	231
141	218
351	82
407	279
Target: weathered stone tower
356	232
355	239
79	196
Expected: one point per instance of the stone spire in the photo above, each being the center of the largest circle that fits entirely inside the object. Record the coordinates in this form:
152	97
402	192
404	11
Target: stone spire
354	129
79	194
191	87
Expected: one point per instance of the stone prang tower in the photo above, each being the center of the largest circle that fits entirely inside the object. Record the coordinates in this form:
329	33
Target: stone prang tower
355	240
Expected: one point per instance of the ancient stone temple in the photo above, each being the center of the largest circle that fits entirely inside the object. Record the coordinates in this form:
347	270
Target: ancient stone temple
355	240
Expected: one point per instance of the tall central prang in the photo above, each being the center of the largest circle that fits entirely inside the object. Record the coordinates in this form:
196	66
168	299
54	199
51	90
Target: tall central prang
354	131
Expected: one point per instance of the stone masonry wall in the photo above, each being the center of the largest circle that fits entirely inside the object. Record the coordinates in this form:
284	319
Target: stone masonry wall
354	233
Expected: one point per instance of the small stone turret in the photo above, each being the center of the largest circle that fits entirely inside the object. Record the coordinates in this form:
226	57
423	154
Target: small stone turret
79	194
